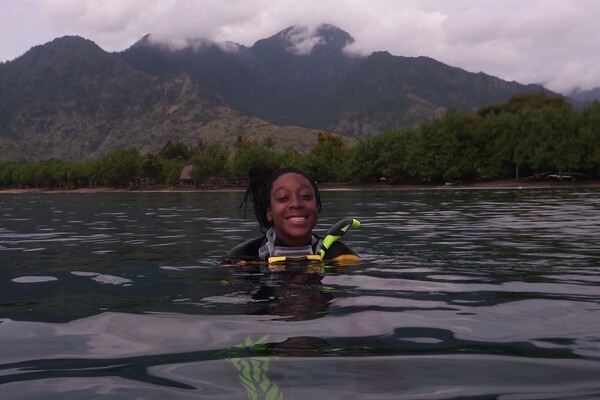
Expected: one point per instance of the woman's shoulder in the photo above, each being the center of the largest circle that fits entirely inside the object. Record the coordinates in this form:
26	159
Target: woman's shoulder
245	251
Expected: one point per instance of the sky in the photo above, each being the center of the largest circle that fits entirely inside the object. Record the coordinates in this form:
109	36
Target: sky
551	42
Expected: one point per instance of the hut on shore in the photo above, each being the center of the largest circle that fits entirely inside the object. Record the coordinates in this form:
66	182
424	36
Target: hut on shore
186	174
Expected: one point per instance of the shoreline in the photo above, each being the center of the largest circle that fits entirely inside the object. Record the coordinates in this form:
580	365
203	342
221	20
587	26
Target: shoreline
487	185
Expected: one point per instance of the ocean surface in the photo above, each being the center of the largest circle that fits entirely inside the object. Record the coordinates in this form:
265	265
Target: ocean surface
459	294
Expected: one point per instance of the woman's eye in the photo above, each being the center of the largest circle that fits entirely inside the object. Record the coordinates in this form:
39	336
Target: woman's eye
306	197
282	199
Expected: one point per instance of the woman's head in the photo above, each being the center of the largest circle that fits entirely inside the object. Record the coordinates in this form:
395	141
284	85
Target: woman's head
286	199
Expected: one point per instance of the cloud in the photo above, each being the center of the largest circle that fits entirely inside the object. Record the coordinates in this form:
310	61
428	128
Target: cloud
303	39
531	41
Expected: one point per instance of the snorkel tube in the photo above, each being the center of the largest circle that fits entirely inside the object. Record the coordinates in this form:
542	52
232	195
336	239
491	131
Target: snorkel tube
336	232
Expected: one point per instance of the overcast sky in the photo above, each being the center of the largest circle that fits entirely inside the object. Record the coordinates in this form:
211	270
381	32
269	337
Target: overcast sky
552	42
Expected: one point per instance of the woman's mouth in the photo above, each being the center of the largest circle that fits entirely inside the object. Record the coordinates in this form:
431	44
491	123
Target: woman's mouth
297	220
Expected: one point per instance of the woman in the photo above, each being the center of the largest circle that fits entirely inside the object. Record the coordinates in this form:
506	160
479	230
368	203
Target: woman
286	203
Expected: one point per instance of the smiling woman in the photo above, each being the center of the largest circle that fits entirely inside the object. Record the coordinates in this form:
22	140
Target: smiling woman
293	209
286	203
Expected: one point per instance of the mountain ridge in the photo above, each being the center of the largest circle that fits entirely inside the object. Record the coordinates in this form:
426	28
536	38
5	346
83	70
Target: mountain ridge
285	86
70	99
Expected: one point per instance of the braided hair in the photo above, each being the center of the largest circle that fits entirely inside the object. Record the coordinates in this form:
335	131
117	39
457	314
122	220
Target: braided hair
261	178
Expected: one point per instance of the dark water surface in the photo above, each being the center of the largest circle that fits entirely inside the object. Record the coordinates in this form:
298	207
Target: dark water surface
460	294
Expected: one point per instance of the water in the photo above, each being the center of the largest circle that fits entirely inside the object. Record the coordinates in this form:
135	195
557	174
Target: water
459	294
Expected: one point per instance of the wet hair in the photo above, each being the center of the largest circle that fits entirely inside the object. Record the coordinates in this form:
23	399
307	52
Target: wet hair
259	191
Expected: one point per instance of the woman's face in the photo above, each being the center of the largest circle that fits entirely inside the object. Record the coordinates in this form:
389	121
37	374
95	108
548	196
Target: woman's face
293	209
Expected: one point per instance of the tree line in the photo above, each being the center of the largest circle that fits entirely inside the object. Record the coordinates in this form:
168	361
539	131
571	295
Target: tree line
528	135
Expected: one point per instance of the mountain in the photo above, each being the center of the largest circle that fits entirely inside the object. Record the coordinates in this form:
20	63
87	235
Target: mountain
269	80
70	99
279	80
586	95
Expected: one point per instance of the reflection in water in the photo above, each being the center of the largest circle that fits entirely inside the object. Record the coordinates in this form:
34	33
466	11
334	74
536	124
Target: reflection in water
459	294
253	371
295	294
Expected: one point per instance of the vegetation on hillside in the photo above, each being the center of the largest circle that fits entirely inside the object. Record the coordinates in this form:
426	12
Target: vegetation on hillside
528	135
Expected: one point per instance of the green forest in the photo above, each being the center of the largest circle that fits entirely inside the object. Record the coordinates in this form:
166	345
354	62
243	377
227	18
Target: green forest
528	136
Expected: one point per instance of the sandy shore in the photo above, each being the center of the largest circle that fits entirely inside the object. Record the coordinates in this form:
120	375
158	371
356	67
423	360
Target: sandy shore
505	184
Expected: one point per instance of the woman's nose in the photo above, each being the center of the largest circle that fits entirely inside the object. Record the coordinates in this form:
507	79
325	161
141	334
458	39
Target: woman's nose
295	201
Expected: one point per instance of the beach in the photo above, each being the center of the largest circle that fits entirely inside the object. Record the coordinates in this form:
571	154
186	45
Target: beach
332	186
